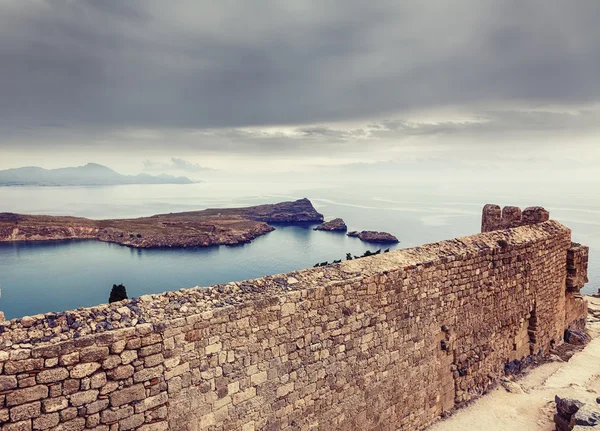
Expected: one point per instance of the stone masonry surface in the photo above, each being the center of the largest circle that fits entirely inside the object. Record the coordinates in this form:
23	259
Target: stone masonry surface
380	343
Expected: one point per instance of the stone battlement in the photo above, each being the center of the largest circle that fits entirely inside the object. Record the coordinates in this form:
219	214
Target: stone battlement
385	342
495	219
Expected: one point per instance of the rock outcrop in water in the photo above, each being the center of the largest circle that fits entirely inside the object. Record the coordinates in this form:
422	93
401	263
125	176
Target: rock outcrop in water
335	225
373	236
228	226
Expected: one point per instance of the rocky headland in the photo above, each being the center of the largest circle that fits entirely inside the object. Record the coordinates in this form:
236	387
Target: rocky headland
335	225
374	236
228	226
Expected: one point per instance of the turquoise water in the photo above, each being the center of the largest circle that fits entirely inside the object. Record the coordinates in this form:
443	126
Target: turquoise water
53	276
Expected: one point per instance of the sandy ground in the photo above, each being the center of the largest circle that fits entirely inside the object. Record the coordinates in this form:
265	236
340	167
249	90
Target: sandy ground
534	408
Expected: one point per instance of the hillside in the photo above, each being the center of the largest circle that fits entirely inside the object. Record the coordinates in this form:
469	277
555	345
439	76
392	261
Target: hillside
189	229
91	174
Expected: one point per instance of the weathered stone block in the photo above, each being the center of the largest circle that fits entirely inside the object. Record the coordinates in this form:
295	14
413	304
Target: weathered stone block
132	422
54	404
111	362
153	360
76	424
17	426
46	421
15	367
157	426
7	383
213	348
83	370
98	380
148	374
69	359
111	416
151	402
93	354
85	397
25	411
127	395
52	375
128	356
22	396
71	386
121	372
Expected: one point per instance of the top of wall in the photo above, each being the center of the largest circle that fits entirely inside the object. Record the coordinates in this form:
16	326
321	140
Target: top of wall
153	312
494	218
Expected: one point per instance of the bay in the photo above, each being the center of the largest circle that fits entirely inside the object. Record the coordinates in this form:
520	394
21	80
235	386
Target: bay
40	277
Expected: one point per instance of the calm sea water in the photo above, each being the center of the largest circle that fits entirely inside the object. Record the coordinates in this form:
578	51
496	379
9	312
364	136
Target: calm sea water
54	276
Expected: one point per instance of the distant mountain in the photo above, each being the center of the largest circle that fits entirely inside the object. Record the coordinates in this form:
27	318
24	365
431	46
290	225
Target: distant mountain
91	174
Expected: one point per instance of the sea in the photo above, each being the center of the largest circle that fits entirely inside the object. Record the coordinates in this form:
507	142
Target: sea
39	277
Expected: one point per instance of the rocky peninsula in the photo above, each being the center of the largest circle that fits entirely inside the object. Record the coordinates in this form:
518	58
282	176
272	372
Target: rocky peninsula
227	226
335	225
374	236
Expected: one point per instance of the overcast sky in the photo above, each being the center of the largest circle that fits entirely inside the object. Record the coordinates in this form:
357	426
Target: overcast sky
205	87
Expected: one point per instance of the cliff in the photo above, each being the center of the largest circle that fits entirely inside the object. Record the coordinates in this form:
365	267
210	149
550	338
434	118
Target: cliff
227	226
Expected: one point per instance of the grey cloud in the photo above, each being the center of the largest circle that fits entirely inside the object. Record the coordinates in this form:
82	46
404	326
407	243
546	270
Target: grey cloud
176	164
196	65
324	139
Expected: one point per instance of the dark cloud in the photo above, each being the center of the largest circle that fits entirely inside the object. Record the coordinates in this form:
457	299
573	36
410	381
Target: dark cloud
191	64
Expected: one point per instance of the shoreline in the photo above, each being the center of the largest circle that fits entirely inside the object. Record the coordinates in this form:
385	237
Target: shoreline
210	227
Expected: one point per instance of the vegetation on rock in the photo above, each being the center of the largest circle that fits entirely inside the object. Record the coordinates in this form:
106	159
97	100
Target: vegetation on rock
118	293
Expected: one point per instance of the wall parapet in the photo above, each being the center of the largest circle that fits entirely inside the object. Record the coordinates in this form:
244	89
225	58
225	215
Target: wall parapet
494	218
385	342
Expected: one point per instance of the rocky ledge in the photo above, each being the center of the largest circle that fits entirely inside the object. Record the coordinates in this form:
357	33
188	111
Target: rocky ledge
335	225
374	236
228	226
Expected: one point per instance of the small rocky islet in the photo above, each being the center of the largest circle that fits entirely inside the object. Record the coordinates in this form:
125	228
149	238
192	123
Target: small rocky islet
374	236
338	225
335	225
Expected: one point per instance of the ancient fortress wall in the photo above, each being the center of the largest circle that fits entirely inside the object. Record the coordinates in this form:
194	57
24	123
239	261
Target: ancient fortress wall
380	343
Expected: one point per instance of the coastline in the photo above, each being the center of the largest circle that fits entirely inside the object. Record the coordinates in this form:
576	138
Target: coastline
211	227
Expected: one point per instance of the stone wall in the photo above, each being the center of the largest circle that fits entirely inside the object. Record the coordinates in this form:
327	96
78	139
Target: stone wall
381	343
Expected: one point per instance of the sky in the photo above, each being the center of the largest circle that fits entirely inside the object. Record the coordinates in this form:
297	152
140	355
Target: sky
339	87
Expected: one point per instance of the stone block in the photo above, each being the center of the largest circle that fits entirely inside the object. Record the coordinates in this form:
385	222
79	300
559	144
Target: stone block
23	366
7	383
17	426
22	396
83	370
148	374
93	354
85	397
127	395
46	421
76	424
54	404
151	402
128	356
111	416
52	375
96	406
156	426
25	411
121	372
132	422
